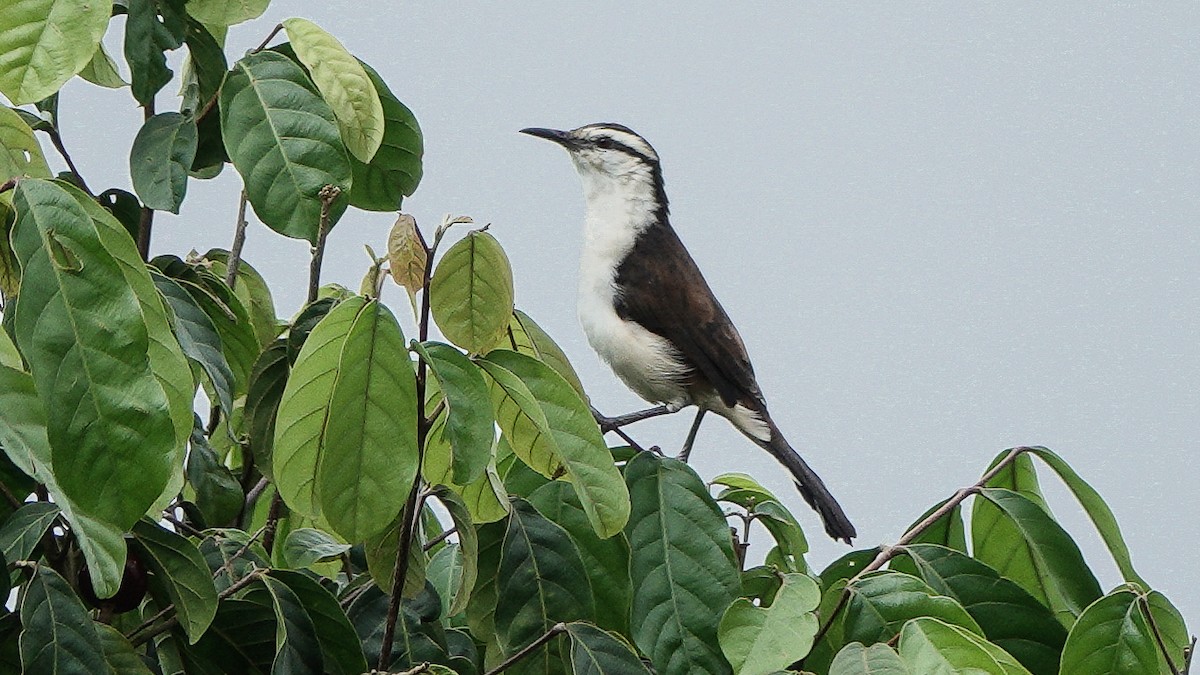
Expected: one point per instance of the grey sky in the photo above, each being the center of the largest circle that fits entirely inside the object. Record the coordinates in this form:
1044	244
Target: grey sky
943	228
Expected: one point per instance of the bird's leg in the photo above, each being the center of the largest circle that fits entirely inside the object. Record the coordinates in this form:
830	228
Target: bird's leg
608	424
691	437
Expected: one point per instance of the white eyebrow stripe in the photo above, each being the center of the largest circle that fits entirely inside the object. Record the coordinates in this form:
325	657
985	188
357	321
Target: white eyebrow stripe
622	136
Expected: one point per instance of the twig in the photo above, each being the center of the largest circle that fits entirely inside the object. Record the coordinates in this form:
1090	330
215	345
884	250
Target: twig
8	185
10	497
1191	651
256	492
440	538
239	240
270	36
56	139
889	552
188	529
228	566
327	195
531	648
1144	605
138	638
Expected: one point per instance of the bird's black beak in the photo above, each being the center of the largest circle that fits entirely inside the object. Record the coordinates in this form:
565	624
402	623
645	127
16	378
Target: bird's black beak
560	137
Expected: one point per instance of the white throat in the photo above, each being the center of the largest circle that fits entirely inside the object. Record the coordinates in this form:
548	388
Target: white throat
618	210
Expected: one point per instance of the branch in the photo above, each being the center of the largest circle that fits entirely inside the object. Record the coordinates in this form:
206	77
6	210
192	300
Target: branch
412	508
146	221
889	552
440	538
1190	652
327	195
273	514
531	648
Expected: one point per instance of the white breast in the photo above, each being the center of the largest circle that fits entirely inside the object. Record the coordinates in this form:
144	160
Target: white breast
616	212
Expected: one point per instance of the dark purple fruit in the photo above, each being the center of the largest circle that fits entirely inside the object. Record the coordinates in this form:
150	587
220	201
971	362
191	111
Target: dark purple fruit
128	596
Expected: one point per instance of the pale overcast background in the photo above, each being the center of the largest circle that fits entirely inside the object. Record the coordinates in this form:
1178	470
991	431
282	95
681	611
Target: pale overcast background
943	228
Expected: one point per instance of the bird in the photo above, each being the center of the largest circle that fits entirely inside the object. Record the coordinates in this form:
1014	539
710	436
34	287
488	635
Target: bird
648	312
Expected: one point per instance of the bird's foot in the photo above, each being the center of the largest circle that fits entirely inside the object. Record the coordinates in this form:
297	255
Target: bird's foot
608	424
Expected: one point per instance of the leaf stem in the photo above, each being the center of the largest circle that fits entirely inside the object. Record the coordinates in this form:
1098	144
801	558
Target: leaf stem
8	185
888	552
1144	605
56	139
270	36
549	635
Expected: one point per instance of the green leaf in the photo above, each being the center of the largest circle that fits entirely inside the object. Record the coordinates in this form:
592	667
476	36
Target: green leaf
102	70
343	84
369	449
297	648
528	338
223	307
537	583
761	640
1042	557
23	437
111	426
147	36
198	337
283	139
339	644
468	546
595	651
395	170
21	533
206	69
470	427
575	436
226	12
1097	510
682	565
880	602
523	425
1010	617
481	608
304	407
120	655
58	634
268	379
419	636
159	161
878	659
1112	636
230	555
1170	626
219	495
935	647
240	640
43	43
471	292
606	560
20	152
179	566
305	546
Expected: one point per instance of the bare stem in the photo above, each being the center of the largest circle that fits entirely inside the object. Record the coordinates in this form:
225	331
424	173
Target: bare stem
327	195
1187	661
273	514
889	552
270	36
239	240
549	635
8	185
440	538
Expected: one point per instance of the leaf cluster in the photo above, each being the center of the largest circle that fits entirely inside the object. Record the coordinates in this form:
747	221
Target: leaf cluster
192	484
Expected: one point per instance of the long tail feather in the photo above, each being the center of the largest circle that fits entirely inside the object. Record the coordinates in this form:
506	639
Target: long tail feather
810	485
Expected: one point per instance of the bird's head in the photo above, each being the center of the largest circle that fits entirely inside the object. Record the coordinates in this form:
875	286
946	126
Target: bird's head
606	152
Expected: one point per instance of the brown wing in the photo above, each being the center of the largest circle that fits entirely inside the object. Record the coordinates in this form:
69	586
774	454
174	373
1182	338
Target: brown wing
674	301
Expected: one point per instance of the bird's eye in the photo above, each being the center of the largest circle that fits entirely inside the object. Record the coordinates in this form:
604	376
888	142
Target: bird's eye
605	143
